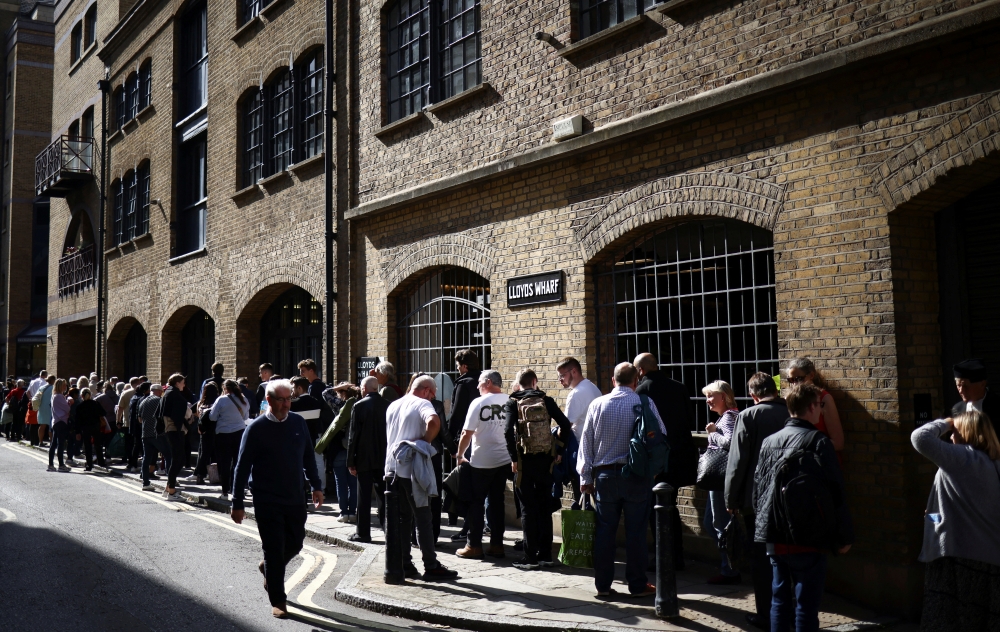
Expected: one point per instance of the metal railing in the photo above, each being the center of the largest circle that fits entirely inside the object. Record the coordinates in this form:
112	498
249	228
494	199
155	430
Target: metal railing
76	271
66	155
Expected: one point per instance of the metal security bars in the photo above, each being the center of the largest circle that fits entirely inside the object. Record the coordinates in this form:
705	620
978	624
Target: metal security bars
449	311
597	15
292	330
66	162
76	271
312	106
461	58
282	112
409	57
700	297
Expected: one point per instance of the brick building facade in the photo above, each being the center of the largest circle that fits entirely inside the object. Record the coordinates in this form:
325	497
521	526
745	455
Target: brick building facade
746	183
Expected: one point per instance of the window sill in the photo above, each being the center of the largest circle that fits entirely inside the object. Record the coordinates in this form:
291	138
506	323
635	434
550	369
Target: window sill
145	112
670	5
274	178
83	58
115	135
459	98
245	194
130	124
272	8
610	33
303	165
402	123
135	242
188	255
246	31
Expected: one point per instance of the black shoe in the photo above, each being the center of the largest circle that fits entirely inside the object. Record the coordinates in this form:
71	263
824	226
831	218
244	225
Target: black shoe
518	545
526	565
758	622
461	536
439	574
411	572
354	537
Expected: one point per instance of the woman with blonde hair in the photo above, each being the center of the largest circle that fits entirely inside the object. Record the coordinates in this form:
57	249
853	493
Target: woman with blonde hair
60	425
721	400
803	370
961	547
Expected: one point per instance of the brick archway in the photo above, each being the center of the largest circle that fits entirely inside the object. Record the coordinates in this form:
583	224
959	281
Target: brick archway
115	344
701	194
461	251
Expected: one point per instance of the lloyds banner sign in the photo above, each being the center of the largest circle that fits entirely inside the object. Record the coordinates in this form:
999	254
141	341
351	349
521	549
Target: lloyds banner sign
536	288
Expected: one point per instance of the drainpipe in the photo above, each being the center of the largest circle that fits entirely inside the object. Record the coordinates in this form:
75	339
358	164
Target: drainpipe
331	225
104	85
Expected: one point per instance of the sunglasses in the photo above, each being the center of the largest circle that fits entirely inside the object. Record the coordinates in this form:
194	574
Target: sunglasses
795	380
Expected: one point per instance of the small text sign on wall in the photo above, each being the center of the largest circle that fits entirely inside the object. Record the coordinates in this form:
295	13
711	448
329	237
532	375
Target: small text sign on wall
363	366
535	289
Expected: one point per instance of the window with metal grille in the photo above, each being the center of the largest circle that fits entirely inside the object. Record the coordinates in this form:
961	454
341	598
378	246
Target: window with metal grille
145	84
448	311
282	106
697	295
121	107
142	200
290	330
597	15
253	139
311	120
252	8
409	57
194	60
132	96
461	58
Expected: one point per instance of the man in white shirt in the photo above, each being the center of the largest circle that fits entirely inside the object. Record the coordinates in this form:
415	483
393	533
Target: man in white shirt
412	418
491	465
37	383
582	392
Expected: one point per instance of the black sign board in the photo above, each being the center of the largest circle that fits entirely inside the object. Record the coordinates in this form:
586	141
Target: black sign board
922	409
535	289
362	367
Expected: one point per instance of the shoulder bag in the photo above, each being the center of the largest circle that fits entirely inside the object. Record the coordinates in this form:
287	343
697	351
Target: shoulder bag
712	470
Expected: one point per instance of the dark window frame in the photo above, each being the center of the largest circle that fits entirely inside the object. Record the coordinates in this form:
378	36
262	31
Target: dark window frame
281	118
76	43
117	199
131	87
253	138
310	99
145	84
142	199
594	16
194	60
192	216
121	107
253	8
90	27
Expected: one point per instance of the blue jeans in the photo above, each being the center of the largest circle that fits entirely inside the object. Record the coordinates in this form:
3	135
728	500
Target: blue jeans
150	447
616	494
797	587
715	523
347	485
57	443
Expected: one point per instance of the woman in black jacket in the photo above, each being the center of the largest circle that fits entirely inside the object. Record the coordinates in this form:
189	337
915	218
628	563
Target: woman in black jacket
175	412
87	423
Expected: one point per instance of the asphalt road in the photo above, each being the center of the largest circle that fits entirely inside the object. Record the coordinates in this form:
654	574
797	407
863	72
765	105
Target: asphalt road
85	551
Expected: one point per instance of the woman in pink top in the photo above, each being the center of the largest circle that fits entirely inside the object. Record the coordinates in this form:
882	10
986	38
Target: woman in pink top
60	425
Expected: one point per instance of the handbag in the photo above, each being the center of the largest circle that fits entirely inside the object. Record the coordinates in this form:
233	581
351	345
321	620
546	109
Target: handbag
205	422
578	529
712	470
733	540
213	474
116	447
6	416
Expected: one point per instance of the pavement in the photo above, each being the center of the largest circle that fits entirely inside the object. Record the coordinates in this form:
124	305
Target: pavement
493	595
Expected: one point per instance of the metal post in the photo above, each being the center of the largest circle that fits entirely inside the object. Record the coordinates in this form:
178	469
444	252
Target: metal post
328	174
666	575
394	572
99	260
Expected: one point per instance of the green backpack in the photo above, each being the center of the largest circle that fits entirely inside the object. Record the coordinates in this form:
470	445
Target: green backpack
648	451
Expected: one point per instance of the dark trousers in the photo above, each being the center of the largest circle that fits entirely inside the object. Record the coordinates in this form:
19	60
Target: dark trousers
206	454
227	448
150	447
535	494
60	432
282	530
409	516
92	446
760	569
178	446
16	429
133	447
796	590
129	446
487	483
436	502
366	482
617	494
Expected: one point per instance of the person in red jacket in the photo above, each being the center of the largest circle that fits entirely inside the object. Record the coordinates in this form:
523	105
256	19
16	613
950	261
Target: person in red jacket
13	401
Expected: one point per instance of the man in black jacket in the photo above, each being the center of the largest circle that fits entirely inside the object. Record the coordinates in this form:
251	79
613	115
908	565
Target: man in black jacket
799	571
766	417
534	474
366	455
218	369
970	380
310	370
266	373
674	405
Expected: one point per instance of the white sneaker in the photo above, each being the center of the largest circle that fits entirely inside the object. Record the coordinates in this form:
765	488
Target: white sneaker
190	479
160	472
352	519
165	495
148	488
344	518
176	496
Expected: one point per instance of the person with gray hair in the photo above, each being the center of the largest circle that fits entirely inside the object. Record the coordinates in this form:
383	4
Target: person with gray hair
490	465
366	440
385	373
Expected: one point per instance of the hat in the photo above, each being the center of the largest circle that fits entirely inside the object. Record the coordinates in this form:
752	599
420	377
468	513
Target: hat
344	385
973	370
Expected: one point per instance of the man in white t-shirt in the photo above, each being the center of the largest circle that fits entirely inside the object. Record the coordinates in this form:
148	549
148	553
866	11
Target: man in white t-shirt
577	402
412	418
37	383
491	465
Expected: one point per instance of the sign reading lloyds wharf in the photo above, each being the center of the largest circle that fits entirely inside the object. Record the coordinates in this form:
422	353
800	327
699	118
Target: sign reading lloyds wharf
535	288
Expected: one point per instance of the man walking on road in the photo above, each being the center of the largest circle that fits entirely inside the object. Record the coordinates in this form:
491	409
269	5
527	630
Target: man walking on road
275	450
366	455
604	450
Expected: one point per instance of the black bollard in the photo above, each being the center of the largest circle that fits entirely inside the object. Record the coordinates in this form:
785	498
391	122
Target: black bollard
666	575
394	573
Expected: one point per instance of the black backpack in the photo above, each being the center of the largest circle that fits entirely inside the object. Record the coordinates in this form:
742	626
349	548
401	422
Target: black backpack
805	503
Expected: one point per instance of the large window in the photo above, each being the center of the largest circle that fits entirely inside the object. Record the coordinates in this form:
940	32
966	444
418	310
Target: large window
145	84
292	330
193	196
252	8
90	26
130	199
132	96
448	311
697	295
597	15
253	139
434	52
121	107
194	60
76	43
312	105
282	104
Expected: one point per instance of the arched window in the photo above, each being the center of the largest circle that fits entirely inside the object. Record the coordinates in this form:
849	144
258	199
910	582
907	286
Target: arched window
700	297
76	263
311	82
448	311
90	26
121	107
197	350
135	355
118	210
253	138
292	330
281	114
145	84
132	96
130	199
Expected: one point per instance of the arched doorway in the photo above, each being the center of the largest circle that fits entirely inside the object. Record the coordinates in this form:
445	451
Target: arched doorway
134	352
699	295
291	330
448	311
197	349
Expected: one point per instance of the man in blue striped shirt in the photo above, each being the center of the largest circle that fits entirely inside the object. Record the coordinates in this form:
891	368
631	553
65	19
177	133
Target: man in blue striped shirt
604	448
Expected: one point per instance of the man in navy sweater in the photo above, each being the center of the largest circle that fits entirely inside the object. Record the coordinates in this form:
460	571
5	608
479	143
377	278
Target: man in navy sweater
275	450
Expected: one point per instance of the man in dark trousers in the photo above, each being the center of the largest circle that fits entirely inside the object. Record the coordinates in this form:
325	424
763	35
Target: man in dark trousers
366	455
799	567
466	390
674	405
970	380
275	450
766	417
